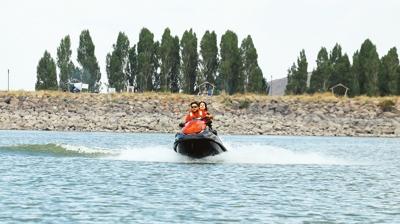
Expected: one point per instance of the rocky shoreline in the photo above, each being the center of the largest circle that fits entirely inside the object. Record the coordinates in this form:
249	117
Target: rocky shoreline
322	115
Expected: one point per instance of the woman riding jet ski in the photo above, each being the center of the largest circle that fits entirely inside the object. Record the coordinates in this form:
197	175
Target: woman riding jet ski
196	139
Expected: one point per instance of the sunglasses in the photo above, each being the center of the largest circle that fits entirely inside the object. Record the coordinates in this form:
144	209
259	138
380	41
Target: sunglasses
194	106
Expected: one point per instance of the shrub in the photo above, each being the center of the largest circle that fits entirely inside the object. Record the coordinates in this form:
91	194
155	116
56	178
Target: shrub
244	104
386	105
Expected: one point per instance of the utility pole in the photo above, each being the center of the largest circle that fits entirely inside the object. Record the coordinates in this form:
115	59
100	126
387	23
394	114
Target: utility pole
8	80
271	85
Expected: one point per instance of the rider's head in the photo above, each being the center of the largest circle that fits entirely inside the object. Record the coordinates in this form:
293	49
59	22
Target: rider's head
194	106
202	105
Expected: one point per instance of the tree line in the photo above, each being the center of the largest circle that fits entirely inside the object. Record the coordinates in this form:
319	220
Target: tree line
367	75
172	65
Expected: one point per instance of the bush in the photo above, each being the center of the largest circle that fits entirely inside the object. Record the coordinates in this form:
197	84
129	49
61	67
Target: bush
244	104
386	105
226	100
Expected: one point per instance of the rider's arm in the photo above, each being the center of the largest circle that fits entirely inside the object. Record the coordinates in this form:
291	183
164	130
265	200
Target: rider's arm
187	118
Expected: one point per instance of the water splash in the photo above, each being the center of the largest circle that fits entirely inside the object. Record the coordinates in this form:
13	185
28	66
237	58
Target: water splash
266	154
60	150
237	153
242	154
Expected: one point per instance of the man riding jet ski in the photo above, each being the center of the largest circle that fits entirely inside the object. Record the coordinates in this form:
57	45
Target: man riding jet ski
196	139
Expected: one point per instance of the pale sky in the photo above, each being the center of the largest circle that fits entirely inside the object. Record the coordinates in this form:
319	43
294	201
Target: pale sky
280	28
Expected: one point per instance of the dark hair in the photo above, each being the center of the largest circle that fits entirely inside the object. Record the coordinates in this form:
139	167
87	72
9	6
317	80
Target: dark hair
205	104
194	102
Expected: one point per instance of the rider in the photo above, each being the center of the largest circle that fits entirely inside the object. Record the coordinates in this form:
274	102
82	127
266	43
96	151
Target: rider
194	113
203	107
208	117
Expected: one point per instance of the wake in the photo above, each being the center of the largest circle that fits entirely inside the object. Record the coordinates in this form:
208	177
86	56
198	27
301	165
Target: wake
56	150
240	154
236	154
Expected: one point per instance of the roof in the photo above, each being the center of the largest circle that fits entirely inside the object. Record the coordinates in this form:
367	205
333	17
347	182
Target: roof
340	84
205	83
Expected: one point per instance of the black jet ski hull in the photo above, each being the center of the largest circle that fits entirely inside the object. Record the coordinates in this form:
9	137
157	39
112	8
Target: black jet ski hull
198	145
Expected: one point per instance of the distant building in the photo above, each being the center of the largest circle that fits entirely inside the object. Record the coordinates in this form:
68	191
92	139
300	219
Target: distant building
206	89
278	86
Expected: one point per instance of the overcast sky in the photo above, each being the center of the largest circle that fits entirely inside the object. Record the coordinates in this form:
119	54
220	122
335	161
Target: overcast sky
280	28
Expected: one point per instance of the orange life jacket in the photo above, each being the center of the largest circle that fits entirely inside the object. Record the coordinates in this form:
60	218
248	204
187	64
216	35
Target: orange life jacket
198	114
204	114
193	127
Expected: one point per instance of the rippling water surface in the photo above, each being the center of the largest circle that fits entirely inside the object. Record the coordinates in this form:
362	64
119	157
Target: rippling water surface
63	177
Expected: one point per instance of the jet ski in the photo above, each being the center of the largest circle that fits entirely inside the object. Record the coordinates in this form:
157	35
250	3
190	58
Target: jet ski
196	140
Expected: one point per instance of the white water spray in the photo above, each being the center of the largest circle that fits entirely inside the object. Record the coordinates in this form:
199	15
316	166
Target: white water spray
237	153
241	154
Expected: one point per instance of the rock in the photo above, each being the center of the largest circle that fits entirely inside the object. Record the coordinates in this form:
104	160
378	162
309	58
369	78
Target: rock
285	116
120	114
7	100
397	130
316	118
340	112
266	127
390	114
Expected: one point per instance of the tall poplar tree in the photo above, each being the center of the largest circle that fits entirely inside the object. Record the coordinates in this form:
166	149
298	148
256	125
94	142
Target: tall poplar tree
369	69
64	63
229	79
166	57
46	73
341	73
132	66
335	57
302	72
355	77
398	80
117	63
87	59
291	84
297	76
190	61
388	74
209	57
250	71
156	65
175	62
320	76
335	54
145	59
257	82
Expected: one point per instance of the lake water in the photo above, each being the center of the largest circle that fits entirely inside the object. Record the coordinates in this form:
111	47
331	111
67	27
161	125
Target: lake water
70	177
